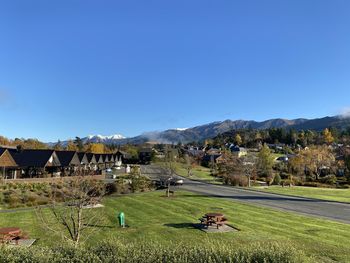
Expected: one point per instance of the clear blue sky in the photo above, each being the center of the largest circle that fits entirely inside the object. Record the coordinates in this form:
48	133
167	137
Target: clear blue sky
72	68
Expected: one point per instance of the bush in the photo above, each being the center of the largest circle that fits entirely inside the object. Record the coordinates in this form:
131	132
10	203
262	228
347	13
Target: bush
236	180
147	252
277	180
329	179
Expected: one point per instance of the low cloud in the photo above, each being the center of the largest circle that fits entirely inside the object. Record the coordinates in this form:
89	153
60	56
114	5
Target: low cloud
345	112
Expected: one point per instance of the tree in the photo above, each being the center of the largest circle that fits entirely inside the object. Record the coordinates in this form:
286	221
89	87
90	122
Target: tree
265	163
58	146
70	215
189	165
327	136
230	169
71	146
313	161
79	144
96	148
170	168
238	139
249	168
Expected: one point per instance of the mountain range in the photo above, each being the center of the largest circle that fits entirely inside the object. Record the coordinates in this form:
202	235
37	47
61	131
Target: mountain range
211	130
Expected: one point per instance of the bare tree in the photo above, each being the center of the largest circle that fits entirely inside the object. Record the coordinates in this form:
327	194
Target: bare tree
68	215
170	168
249	167
189	165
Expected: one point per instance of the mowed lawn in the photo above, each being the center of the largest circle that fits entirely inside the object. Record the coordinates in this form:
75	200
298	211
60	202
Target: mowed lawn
153	217
331	194
198	173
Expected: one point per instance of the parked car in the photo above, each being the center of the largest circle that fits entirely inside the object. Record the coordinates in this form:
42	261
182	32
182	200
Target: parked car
177	182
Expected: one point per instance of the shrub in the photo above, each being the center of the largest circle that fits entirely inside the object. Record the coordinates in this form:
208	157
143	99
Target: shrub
236	180
111	251
277	180
329	179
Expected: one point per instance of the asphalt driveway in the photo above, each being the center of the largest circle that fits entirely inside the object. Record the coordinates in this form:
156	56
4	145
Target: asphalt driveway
307	206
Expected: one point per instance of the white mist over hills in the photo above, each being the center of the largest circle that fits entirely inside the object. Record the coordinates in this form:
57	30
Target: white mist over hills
101	137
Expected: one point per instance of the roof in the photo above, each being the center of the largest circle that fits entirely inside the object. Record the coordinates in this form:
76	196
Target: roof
111	157
237	149
91	158
105	158
35	158
2	150
83	158
208	157
68	158
6	159
99	158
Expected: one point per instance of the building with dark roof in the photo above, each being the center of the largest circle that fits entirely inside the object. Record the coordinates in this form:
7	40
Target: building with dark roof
8	165
36	163
70	162
83	158
92	163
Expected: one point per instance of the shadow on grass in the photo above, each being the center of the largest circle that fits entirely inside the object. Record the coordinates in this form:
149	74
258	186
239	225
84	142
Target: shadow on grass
183	225
256	198
100	226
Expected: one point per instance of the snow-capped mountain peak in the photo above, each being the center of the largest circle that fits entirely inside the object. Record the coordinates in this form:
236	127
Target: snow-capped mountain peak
102	138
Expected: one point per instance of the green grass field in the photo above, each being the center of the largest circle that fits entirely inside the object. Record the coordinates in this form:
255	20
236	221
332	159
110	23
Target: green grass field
198	173
151	216
331	194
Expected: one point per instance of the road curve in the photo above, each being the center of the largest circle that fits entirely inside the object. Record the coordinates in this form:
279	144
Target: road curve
307	206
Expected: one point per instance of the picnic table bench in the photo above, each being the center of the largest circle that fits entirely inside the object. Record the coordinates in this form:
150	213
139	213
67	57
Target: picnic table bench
9	234
210	219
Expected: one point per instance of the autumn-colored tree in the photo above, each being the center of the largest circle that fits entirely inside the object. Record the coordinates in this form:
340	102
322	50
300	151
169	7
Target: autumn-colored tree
131	150
96	148
265	163
79	144
58	146
230	166
4	141
71	146
327	136
238	139
313	161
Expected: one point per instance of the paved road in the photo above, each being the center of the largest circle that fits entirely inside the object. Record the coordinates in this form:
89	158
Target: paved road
311	207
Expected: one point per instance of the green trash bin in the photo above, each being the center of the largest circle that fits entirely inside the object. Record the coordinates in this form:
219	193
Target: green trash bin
121	218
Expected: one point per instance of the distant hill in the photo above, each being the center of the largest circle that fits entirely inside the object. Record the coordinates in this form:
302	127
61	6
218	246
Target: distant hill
211	130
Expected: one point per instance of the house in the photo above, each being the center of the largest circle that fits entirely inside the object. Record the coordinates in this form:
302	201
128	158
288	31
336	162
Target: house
213	151
195	151
145	155
118	159
238	151
8	165
110	162
111	159
209	159
83	158
70	162
92	163
100	161
36	163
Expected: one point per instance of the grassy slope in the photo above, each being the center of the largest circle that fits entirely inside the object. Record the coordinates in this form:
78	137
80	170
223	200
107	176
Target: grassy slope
154	217
342	195
198	173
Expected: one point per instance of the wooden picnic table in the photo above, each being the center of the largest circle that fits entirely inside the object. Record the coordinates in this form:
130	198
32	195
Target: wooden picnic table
9	234
214	218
